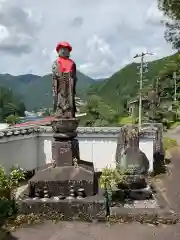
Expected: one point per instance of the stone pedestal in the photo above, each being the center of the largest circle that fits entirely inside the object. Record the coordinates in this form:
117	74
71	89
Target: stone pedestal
64	144
62	153
57	188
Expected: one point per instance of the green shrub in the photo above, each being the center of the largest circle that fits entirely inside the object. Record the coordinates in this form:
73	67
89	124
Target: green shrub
112	177
12	119
7	208
8	183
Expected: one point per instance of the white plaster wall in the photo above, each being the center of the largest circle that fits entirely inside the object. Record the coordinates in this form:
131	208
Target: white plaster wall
30	152
99	151
21	151
146	146
44	152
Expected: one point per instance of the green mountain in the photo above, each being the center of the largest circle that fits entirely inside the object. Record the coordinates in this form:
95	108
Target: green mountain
116	91
35	91
123	85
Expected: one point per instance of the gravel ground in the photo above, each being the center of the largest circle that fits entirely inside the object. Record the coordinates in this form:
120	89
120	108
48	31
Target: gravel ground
90	231
142	204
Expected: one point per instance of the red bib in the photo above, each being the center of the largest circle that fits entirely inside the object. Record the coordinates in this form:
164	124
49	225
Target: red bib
65	64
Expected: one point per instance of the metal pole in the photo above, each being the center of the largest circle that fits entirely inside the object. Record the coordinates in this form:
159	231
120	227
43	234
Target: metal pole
1	105
175	90
175	86
141	84
140	90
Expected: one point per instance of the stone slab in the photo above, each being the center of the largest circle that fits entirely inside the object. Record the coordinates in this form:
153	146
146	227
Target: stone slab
86	209
58	180
62	153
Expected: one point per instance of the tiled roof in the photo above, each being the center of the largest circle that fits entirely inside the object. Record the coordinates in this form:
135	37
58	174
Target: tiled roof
147	129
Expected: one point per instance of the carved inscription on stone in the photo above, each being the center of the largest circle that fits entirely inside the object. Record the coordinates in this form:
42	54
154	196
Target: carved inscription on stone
62	153
63	150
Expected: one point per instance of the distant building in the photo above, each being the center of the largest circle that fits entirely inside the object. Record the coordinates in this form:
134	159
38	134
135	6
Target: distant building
133	107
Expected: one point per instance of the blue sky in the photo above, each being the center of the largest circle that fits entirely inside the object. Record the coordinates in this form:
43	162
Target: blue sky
104	34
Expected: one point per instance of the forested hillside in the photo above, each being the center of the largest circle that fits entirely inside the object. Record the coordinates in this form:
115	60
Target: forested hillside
35	91
124	84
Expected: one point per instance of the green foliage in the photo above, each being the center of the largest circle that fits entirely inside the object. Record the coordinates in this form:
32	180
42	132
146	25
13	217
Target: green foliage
168	112
99	114
8	182
123	86
175	124
107	178
171	8
12	119
11	180
10	104
166	80
36	91
7	208
126	120
169	143
112	177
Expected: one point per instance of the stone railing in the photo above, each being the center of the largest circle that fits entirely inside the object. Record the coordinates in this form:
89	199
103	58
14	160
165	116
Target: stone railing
30	147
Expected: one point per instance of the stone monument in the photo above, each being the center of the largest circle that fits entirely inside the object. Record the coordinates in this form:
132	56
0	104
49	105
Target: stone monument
64	146
130	157
68	181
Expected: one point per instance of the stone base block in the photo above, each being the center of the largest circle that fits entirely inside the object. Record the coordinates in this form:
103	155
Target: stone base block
143	215
59	180
63	152
64	125
90	208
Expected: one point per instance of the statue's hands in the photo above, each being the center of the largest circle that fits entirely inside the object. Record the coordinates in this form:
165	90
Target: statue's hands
54	91
71	82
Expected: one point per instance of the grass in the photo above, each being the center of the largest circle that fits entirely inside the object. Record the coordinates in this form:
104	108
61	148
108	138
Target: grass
169	143
174	125
126	120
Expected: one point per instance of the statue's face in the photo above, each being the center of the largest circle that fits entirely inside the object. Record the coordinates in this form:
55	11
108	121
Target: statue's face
64	52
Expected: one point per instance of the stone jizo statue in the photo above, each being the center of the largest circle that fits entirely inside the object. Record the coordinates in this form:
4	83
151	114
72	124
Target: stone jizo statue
128	152
64	82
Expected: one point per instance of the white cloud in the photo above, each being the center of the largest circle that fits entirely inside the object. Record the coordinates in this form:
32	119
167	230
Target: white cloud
104	36
99	58
4	34
153	14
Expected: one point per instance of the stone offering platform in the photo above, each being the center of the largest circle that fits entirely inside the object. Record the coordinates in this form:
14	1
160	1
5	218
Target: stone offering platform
95	208
71	189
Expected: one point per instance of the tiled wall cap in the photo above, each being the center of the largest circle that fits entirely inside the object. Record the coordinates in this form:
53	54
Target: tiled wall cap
147	131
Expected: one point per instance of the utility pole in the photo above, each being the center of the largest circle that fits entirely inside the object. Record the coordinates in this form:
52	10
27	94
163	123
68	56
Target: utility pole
141	83
157	91
175	86
175	90
1	105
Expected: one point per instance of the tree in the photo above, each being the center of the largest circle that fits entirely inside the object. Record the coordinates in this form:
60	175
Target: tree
21	109
99	114
12	119
10	104
171	9
166	80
